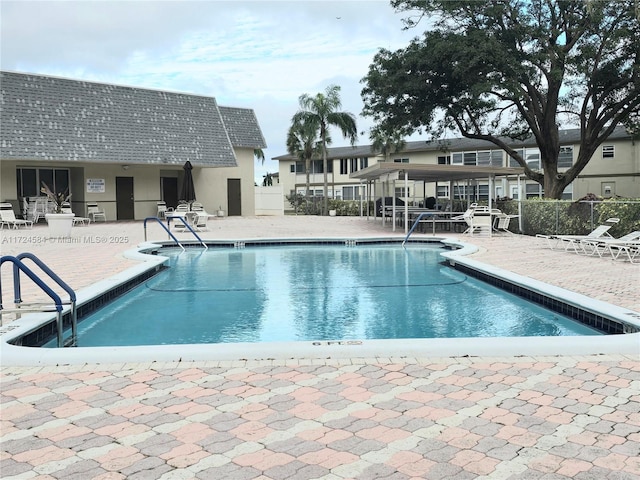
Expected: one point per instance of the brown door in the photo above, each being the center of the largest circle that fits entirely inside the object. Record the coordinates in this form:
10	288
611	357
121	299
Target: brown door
124	198
233	196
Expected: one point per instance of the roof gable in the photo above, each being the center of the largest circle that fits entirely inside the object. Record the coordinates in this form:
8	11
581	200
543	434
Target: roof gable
242	126
59	119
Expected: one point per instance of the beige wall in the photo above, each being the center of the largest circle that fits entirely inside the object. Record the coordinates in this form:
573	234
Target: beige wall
606	177
210	184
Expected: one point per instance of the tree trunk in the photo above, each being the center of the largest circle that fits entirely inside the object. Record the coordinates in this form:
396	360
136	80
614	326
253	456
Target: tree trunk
325	200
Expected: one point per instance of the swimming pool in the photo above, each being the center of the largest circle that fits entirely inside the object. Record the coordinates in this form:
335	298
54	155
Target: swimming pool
593	312
315	293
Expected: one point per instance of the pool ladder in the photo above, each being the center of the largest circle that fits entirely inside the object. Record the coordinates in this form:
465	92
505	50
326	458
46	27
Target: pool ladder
166	228
24	307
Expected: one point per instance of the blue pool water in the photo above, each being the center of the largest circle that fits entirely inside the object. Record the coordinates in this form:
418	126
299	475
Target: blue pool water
315	292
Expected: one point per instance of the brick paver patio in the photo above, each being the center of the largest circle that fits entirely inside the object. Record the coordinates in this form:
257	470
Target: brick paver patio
384	418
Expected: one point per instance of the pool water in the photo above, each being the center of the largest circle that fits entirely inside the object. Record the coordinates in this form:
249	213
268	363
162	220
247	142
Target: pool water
312	293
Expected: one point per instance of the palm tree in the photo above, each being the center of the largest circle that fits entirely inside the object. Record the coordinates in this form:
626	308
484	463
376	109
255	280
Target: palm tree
259	154
302	141
323	112
386	143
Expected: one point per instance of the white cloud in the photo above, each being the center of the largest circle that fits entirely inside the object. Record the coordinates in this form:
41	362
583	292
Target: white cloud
261	54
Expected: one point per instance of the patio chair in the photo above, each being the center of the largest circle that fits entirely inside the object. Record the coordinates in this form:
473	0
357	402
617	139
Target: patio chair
574	241
66	208
503	221
8	217
95	212
162	210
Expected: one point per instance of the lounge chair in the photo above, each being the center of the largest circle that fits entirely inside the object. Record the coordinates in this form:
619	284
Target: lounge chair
574	241
630	249
95	212
200	216
603	246
8	217
66	208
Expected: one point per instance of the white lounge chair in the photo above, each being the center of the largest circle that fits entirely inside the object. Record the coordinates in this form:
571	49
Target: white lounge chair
574	241
95	212
66	208
200	216
163	210
630	249
8	217
613	246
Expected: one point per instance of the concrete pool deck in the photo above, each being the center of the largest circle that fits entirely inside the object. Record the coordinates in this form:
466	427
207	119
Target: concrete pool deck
397	418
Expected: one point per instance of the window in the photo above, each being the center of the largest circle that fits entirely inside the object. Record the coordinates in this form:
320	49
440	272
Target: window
364	162
444	160
354	164
565	158
456	158
532	156
443	191
496	158
469	158
400	192
533	190
297	167
514	192
608	151
29	180
351	193
484	158
344	166
401	160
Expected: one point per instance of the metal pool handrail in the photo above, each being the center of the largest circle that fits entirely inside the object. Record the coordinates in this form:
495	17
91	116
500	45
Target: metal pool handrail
19	265
144	224
415	224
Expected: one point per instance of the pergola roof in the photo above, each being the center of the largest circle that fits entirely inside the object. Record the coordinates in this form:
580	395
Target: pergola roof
433	173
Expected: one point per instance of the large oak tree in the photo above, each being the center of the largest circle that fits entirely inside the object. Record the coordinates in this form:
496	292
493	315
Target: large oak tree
507	69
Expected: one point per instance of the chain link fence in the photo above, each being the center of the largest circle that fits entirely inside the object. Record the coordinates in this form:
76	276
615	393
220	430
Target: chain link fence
561	217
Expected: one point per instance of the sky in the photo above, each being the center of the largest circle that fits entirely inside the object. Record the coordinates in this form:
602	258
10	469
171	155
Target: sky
252	54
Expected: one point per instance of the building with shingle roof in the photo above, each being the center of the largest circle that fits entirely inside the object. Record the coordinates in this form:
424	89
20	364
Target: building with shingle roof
91	136
613	171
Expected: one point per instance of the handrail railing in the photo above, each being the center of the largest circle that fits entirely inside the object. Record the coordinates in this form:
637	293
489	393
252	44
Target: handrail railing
186	224
167	229
415	224
53	295
144	224
61	283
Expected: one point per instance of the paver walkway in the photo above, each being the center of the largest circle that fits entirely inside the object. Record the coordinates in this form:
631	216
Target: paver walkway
386	418
432	419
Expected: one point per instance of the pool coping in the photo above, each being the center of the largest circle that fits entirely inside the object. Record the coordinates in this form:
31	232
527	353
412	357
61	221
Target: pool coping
629	343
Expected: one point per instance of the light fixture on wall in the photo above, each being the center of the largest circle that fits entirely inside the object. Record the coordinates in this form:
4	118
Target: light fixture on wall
125	167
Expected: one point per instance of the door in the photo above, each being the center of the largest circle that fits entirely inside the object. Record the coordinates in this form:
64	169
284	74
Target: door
234	197
124	198
169	189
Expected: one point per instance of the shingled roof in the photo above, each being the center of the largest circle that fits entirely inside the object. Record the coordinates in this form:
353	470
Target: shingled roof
56	119
567	137
242	127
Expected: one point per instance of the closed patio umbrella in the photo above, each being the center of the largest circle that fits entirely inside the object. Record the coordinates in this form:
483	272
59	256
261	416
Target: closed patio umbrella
188	193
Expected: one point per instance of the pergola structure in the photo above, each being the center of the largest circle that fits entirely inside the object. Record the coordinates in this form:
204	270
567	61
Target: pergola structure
393	171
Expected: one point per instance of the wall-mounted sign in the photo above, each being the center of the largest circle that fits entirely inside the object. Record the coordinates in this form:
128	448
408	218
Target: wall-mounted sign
95	185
